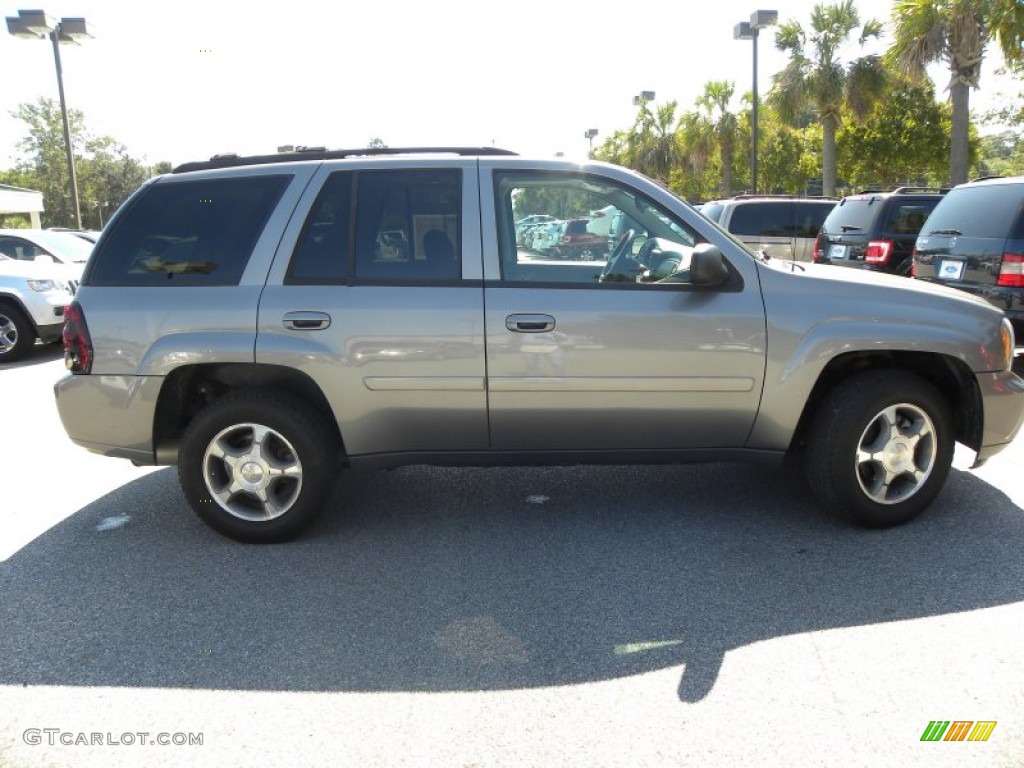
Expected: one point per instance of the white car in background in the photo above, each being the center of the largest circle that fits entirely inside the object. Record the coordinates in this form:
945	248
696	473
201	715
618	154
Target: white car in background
42	245
33	295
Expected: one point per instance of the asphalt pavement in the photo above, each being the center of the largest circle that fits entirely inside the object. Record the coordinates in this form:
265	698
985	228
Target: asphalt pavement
597	616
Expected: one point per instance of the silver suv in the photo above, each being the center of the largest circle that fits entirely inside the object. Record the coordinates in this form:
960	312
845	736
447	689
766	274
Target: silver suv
241	318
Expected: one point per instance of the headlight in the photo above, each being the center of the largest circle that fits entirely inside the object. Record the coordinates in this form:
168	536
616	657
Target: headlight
42	286
1006	337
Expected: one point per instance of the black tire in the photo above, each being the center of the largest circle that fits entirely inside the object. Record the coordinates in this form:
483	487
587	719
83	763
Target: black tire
293	465
879	448
17	336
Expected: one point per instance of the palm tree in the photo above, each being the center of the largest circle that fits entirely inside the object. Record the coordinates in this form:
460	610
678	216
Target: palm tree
723	125
653	146
957	33
815	78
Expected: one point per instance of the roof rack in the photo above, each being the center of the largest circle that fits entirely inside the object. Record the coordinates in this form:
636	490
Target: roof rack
231	160
752	195
913	190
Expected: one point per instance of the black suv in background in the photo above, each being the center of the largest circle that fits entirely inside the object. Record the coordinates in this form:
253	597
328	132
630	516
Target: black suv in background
876	230
974	240
783	226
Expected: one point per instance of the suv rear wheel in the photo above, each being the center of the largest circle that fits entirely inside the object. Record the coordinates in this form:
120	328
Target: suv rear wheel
257	466
880	448
17	336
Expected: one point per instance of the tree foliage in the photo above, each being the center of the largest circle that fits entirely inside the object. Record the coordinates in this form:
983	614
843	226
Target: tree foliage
957	33
816	79
106	173
904	140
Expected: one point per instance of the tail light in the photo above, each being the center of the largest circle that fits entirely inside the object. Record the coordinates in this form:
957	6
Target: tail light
878	252
913	263
77	343
819	251
1011	273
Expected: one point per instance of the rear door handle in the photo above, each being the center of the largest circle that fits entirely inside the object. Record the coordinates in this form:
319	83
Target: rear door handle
530	323
307	321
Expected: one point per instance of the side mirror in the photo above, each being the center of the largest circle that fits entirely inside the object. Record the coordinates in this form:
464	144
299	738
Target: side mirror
707	266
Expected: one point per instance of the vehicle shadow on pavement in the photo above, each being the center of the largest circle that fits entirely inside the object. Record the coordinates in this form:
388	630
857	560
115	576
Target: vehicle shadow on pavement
425	579
40	353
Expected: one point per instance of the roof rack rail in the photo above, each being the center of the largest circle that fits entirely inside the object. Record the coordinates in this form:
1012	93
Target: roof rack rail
781	196
912	190
230	160
986	178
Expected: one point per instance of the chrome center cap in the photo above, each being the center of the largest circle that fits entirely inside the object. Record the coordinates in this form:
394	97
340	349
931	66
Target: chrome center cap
899	457
252	473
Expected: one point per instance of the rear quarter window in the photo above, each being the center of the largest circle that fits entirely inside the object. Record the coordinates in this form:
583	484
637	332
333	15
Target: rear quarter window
772	219
810	216
907	217
188	233
984	211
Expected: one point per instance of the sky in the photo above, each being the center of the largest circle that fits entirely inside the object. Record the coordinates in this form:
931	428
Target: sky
185	80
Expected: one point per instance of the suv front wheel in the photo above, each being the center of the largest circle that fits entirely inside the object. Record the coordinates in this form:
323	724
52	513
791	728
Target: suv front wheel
880	448
17	336
257	466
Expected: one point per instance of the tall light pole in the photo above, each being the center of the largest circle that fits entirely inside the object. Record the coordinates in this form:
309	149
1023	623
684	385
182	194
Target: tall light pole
589	136
38	25
748	30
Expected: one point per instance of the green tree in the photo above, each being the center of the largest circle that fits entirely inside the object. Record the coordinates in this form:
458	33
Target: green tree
905	139
788	157
815	78
654	147
722	125
956	32
107	175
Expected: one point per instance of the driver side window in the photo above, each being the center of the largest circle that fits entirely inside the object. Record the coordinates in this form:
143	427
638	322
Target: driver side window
560	228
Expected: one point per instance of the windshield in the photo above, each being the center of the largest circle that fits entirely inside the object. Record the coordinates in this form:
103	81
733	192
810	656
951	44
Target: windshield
64	247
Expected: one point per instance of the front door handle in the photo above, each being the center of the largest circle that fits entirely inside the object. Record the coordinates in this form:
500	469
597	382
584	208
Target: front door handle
530	323
307	321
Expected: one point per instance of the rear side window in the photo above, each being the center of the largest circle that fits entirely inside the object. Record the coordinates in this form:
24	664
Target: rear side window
984	211
771	219
322	255
907	218
810	216
408	225
188	233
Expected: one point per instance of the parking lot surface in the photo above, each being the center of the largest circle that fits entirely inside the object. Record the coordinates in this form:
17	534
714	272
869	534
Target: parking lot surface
600	616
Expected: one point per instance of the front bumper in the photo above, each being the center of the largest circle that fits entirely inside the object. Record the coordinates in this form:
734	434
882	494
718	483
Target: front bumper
1002	397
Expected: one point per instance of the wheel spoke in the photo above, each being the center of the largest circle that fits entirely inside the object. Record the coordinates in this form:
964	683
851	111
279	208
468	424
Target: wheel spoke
252	472
896	453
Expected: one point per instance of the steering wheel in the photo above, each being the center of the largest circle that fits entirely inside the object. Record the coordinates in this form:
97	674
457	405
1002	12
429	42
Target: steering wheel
624	246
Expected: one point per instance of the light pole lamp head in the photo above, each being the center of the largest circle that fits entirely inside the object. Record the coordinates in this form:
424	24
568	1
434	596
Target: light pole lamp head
763	19
73	30
743	31
643	97
38	23
590	134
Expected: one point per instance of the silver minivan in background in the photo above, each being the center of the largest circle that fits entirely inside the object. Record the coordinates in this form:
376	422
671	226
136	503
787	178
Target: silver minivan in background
782	226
